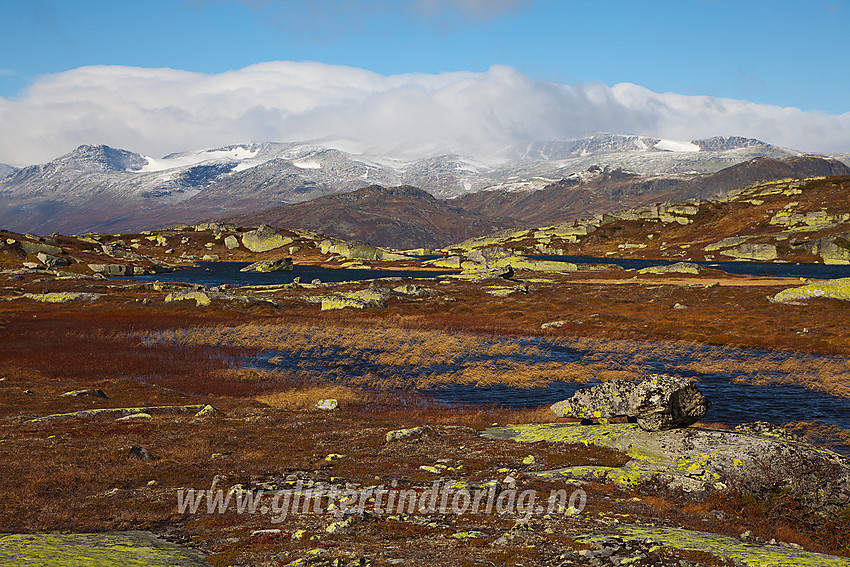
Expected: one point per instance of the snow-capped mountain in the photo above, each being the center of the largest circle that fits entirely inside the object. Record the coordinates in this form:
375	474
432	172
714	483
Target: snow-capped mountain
107	189
6	170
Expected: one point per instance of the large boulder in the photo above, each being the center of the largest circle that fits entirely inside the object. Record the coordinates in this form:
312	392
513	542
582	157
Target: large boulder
608	399
52	261
665	402
264	238
658	402
276	265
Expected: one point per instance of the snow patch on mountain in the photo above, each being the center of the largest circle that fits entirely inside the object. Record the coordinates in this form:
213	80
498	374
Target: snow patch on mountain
188	159
307	164
676	146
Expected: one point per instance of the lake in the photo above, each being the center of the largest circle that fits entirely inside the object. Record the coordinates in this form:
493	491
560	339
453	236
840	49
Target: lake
218	273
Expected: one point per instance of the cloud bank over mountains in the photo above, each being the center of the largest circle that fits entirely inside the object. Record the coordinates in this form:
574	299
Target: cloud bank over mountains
158	111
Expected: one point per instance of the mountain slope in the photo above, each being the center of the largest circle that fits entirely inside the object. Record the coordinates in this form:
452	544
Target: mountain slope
790	220
601	190
398	217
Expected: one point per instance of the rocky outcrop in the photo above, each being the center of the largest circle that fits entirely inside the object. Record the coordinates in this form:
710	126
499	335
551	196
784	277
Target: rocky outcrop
265	266
831	289
36	247
658	402
116	270
699	460
264	238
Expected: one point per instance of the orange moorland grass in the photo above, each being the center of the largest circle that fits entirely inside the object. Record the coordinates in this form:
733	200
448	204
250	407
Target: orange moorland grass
484	360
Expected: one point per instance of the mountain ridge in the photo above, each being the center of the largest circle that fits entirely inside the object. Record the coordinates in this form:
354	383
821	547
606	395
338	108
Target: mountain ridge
107	189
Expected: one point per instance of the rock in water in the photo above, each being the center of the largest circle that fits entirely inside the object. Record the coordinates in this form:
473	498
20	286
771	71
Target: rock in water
664	402
276	265
658	402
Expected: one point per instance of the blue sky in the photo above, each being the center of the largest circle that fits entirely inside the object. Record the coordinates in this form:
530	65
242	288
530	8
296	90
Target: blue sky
790	53
771	52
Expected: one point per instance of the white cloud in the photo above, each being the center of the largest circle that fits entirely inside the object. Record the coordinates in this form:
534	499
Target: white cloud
157	111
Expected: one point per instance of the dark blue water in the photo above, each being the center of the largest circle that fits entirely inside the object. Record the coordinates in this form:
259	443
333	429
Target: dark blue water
775	269
218	273
732	404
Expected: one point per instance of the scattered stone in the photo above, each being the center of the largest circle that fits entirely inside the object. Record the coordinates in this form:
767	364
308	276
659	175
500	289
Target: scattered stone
341	527
136	417
118	412
231	242
33	266
264	266
679	306
329	404
140	453
210	258
412	433
93	392
207	411
553	324
268	532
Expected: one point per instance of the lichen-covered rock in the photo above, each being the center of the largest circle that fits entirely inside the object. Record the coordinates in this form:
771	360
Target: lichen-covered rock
210	258
658	402
608	399
663	402
698	459
231	242
199	297
677	268
62	296
266	266
411	433
365	299
36	247
832	289
752	251
328	404
264	238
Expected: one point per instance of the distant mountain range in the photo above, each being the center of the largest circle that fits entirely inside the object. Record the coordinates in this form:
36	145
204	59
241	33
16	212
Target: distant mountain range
406	217
99	188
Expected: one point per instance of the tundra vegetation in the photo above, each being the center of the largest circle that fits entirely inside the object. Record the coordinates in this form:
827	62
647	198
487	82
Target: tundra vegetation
263	356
